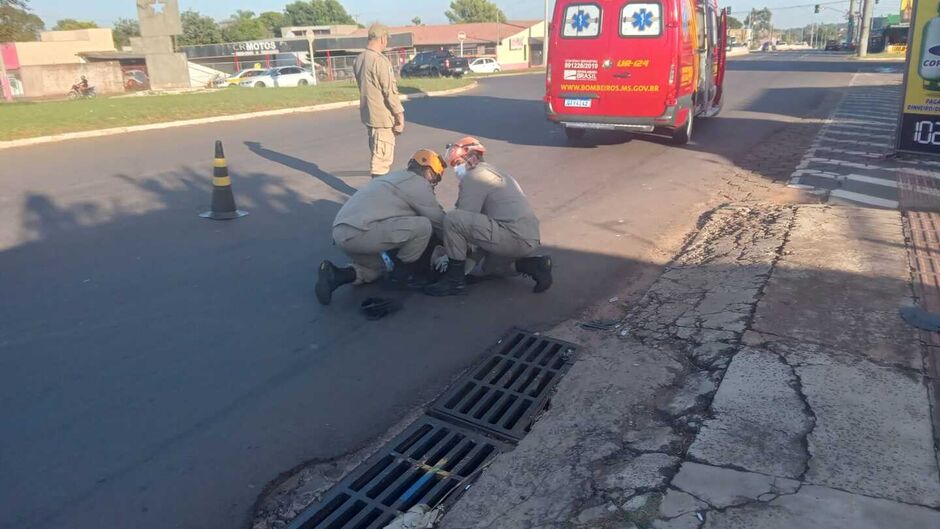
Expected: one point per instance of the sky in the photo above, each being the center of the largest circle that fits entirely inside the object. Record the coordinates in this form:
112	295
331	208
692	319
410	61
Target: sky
104	12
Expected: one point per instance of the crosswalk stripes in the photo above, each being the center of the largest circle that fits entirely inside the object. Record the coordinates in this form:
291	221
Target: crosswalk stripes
848	160
852	142
863	154
851	196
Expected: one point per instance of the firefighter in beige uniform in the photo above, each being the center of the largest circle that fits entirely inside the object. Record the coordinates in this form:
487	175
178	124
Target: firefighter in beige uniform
396	212
379	104
492	215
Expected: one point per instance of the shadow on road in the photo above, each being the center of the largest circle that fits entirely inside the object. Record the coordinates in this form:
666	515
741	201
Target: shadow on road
146	351
159	368
516	121
155	352
303	166
808	61
523	121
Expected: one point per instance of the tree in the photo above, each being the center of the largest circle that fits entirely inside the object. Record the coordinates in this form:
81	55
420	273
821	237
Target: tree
244	26
19	4
464	11
336	13
198	29
274	21
317	13
17	24
759	20
70	24
416	21
734	23
123	30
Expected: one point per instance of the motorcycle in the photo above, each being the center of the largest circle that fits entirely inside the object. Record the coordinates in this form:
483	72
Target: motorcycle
79	92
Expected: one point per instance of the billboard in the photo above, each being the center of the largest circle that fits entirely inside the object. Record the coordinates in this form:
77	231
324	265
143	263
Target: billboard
919	130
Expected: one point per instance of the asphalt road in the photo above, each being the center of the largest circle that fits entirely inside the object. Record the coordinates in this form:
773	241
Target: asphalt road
157	369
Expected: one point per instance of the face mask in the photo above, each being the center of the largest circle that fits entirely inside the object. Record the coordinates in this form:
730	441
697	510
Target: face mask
461	171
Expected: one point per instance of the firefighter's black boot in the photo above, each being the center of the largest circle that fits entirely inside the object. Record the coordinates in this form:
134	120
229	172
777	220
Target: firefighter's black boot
539	269
330	278
452	284
410	275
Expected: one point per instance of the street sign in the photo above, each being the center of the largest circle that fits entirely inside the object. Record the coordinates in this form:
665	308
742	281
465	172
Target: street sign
462	36
919	127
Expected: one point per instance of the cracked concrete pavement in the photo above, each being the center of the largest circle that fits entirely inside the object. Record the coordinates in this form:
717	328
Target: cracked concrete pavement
763	381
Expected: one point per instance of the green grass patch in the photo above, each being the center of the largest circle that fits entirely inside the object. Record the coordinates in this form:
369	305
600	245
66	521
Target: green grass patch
27	120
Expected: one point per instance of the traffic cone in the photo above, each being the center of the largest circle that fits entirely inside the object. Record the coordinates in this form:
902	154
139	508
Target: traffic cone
223	200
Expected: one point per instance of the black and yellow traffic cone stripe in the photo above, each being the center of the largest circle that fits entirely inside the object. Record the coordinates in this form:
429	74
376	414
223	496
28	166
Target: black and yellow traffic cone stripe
220	173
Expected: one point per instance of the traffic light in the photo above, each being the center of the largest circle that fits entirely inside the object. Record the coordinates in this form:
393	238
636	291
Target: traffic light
817	8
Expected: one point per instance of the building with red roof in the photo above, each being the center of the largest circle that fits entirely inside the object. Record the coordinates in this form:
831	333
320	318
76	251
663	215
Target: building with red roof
514	44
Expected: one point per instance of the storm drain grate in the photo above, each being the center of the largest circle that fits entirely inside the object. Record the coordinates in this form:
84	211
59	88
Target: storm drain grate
503	395
421	466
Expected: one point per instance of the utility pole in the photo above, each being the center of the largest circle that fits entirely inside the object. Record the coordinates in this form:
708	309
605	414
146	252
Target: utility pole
869	6
313	63
545	41
497	33
747	28
850	27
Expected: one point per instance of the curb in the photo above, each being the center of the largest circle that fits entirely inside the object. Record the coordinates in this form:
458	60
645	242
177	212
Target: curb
513	74
39	140
879	59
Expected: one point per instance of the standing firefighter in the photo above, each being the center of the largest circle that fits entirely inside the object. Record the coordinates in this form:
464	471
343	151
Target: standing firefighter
395	213
380	106
494	216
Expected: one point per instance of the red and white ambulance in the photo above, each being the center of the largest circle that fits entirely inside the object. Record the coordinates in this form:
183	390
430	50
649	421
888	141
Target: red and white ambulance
635	65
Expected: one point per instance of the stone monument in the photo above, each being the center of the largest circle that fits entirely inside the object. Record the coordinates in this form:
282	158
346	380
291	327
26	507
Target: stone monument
159	22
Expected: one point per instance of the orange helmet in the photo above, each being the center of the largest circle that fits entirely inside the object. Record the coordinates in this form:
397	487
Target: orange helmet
457	153
429	158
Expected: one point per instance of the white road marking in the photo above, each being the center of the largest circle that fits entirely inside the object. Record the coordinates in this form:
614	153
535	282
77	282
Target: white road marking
864	154
864	199
853	178
857	118
855	142
886	136
854	165
860	129
861	126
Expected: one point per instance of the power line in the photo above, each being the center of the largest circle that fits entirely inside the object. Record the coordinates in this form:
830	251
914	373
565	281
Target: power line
801	6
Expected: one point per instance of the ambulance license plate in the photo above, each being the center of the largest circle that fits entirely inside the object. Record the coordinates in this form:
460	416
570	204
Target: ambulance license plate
578	103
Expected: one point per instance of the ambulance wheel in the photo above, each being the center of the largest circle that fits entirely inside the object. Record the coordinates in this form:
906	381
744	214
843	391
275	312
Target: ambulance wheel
574	134
683	135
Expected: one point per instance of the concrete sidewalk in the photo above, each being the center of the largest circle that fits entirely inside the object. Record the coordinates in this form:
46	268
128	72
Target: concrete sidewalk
764	381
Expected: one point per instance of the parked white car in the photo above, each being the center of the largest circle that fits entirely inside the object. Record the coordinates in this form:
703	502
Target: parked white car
484	65
280	77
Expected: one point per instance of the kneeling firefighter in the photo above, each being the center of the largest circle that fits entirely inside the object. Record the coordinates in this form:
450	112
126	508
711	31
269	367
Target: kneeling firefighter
493	216
396	213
